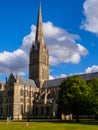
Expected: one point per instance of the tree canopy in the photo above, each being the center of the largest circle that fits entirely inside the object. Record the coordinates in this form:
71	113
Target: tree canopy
93	84
74	96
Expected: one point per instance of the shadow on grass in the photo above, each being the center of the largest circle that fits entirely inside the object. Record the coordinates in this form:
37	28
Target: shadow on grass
84	122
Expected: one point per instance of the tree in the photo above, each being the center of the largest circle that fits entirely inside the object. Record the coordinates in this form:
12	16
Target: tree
73	96
93	84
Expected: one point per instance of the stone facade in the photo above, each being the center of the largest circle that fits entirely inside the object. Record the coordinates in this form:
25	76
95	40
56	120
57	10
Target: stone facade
37	96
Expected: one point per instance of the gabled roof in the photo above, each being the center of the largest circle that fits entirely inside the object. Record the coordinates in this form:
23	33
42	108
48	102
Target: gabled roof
57	82
27	82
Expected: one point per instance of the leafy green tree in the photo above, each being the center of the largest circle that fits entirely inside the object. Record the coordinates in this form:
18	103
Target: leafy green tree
73	96
93	84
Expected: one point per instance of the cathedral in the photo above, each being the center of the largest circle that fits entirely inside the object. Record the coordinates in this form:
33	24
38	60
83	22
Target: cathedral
37	96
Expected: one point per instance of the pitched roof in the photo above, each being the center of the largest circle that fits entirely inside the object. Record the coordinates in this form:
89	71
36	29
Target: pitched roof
53	82
57	82
27	82
89	76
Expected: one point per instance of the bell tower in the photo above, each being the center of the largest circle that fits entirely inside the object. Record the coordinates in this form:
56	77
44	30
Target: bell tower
39	56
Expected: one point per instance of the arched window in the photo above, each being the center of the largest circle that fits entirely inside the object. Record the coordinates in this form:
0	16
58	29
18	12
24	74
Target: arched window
36	110
21	109
21	92
10	109
42	110
0	86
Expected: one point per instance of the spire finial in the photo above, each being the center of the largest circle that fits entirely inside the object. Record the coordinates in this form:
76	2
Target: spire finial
40	5
39	30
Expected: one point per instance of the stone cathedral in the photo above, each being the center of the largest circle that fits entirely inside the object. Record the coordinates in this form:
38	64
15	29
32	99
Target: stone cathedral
36	96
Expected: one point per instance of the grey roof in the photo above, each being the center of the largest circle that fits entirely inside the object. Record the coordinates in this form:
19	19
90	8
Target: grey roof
57	82
27	82
53	82
89	76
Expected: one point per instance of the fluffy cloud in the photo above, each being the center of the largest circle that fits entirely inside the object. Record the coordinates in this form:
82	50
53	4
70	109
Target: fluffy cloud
13	61
64	44
59	76
91	16
91	69
51	77
62	49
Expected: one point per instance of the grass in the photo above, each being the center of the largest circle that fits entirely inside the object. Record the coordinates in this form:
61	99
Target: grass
54	125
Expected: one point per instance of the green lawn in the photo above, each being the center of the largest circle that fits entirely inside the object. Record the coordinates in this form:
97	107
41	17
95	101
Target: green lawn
49	126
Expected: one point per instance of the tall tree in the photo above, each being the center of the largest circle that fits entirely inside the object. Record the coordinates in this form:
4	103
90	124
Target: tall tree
93	84
73	96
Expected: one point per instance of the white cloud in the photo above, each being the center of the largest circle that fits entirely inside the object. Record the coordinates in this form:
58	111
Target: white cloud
21	74
13	61
51	77
91	16
62	75
91	69
58	76
62	45
62	49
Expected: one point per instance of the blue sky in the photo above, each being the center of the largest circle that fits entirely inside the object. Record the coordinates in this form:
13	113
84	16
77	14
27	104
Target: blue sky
71	34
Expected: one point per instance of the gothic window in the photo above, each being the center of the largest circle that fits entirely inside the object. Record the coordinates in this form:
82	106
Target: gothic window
10	100
0	86
42	110
7	109
1	111
21	100
1	100
7	100
36	110
43	74
27	108
36	59
21	109
33	59
33	94
48	110
46	60
27	93
35	73
10	109
28	100
21	92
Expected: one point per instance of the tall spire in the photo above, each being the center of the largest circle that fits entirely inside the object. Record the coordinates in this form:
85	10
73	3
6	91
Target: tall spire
39	38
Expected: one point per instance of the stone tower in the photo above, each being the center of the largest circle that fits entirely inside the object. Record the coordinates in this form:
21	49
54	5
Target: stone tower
39	57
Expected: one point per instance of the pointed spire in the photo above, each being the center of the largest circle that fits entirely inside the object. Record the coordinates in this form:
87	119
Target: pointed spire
39	38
